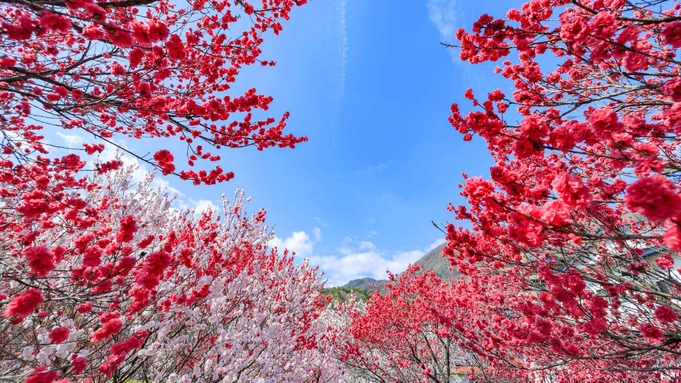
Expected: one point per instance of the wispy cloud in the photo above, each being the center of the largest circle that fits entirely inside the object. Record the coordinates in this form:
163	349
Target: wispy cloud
344	44
444	17
320	221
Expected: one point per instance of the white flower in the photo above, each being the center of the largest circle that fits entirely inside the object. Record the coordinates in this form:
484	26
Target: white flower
27	352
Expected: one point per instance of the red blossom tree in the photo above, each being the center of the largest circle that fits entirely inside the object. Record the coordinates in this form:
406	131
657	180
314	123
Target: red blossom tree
412	333
578	222
137	69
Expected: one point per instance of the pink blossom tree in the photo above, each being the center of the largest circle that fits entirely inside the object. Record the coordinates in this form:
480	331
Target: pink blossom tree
135	289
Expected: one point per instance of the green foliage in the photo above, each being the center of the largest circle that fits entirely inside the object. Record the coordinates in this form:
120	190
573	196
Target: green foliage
343	293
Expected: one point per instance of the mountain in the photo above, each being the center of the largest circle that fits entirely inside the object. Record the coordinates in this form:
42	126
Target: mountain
362	287
368	284
436	262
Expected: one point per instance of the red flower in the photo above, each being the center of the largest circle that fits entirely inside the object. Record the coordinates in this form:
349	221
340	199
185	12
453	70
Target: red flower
84	308
654	197
163	156
41	375
672	88
672	34
23	305
120	38
127	229
649	330
158	30
78	363
665	314
665	262
92	257
135	57
59	335
40	260
110	328
54	22
603	122
165	161
672	237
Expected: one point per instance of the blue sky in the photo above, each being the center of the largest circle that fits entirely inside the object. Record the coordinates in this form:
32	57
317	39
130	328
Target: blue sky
370	85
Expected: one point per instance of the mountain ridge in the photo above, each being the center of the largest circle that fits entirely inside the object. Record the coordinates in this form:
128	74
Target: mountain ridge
433	260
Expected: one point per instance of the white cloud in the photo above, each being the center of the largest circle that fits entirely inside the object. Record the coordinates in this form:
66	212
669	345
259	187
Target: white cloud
435	244
363	259
442	14
299	242
72	140
353	259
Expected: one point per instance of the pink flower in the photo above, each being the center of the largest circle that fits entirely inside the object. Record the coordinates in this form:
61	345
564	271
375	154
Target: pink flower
124	266
84	308
665	314
34	204
634	61
594	326
59	335
604	24
574	30
526	229
157	262
654	197
82	242
556	213
23	305
95	11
